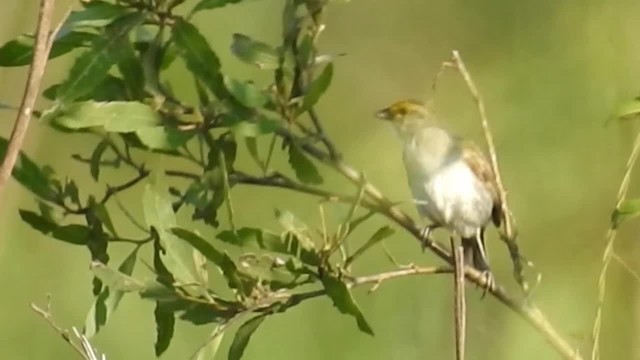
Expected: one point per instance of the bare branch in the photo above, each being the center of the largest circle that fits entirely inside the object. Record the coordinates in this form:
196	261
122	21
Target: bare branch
42	48
608	250
459	304
507	217
46	315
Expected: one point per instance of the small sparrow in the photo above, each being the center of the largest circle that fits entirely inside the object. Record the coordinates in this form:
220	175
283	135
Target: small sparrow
451	180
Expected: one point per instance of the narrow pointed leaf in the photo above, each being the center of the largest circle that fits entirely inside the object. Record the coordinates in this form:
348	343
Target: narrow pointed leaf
96	158
317	89
199	57
381	234
241	340
165	323
158	213
93	66
96	14
305	170
255	52
108	300
19	52
247	93
629	209
116	116
344	302
115	279
209	351
212	4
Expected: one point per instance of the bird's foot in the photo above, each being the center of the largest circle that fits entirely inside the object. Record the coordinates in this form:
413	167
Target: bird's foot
489	282
425	236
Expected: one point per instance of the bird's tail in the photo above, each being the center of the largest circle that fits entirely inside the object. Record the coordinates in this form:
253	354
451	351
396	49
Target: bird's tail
474	252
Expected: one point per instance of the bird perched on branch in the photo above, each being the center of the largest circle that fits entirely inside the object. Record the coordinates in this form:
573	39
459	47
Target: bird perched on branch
451	180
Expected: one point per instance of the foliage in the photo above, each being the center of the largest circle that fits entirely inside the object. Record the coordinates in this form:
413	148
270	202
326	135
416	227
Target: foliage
113	94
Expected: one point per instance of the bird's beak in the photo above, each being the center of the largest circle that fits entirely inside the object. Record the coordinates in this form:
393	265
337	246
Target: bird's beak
383	114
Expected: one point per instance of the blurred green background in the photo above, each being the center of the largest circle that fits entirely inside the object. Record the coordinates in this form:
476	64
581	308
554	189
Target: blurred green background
551	73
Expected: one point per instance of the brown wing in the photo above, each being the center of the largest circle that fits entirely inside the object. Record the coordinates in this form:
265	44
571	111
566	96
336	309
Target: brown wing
481	167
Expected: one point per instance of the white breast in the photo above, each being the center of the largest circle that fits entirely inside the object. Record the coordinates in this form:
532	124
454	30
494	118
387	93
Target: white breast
450	195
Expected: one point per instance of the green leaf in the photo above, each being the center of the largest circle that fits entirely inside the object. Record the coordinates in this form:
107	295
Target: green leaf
158	213
37	221
103	214
287	244
252	146
344	302
96	14
305	170
163	137
92	67
255	52
199	57
19	52
110	89
629	209
317	89
208	352
381	234
108	300
116	279
629	109
157	207
235	278
130	67
241	340
36	179
261	126
96	158
165	323
75	234
212	4
247	93
116	116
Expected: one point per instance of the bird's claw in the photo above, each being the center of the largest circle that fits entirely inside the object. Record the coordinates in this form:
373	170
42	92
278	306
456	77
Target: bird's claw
425	237
489	282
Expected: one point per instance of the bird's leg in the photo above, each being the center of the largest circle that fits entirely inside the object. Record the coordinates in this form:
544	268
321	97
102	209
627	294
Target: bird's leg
425	235
486	272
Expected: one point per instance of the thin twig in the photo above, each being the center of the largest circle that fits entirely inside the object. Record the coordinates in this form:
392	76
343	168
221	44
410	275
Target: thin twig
608	250
377	279
626	266
46	315
459	304
42	48
507	218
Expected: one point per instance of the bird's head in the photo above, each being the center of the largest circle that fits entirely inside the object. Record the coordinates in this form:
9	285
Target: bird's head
407	115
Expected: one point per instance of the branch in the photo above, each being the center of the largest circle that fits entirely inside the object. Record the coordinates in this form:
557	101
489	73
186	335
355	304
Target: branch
42	48
375	200
507	217
48	317
608	250
459	305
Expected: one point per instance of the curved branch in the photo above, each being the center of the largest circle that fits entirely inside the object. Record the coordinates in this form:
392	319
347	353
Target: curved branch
376	201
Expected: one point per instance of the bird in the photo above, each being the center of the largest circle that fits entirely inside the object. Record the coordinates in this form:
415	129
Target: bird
451	180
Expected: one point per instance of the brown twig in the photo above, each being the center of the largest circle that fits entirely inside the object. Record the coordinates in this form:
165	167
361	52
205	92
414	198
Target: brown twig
459	304
42	48
507	217
46	315
608	250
